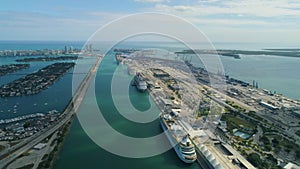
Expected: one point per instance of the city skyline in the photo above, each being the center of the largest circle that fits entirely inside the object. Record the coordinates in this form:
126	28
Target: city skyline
222	21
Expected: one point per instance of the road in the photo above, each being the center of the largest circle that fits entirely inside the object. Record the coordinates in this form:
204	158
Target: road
257	135
15	151
44	151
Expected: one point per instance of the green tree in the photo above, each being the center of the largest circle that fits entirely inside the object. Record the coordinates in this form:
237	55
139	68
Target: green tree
254	159
27	124
275	142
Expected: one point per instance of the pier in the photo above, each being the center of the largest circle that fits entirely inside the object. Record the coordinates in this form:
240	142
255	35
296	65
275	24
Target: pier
166	98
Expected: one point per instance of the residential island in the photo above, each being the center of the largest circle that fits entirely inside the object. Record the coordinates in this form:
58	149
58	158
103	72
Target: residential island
36	82
11	68
45	59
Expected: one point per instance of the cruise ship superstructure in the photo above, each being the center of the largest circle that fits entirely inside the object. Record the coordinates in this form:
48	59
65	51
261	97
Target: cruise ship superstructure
140	82
178	138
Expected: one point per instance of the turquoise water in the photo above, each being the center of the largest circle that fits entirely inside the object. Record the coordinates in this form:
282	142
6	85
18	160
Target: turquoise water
55	97
79	146
280	74
274	73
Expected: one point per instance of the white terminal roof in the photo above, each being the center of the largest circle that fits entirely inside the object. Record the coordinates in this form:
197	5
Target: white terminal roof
291	166
40	146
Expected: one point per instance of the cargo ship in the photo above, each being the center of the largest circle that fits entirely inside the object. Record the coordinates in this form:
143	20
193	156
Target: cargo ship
178	138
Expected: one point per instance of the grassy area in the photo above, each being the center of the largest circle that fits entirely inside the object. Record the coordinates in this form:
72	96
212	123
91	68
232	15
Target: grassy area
12	143
231	103
298	133
267	143
29	166
49	159
2	148
200	113
237	122
281	143
268	163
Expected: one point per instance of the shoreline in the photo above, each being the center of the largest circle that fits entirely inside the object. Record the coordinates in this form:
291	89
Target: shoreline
66	131
65	135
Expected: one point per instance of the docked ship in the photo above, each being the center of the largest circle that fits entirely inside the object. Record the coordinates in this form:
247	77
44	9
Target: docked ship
120	57
131	71
140	82
179	139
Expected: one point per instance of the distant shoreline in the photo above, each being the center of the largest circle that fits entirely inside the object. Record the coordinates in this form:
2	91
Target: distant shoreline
236	53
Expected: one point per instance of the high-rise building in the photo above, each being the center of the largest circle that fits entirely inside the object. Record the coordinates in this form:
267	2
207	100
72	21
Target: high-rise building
66	49
71	49
89	48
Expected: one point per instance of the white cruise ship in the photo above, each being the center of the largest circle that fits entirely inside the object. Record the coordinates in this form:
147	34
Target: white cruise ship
183	146
140	82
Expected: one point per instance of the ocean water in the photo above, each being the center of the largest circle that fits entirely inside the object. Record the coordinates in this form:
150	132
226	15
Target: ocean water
274	73
55	97
80	151
280	74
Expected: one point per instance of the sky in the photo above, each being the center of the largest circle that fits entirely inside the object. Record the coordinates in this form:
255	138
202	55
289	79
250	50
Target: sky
262	21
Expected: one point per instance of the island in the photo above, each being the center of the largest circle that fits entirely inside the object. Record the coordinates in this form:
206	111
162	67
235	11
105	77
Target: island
7	69
38	59
236	53
36	82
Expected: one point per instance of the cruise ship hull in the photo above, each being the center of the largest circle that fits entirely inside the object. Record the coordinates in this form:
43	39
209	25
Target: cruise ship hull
141	89
174	143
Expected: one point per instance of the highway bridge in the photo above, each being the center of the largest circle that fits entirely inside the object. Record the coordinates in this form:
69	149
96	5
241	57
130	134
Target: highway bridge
10	154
